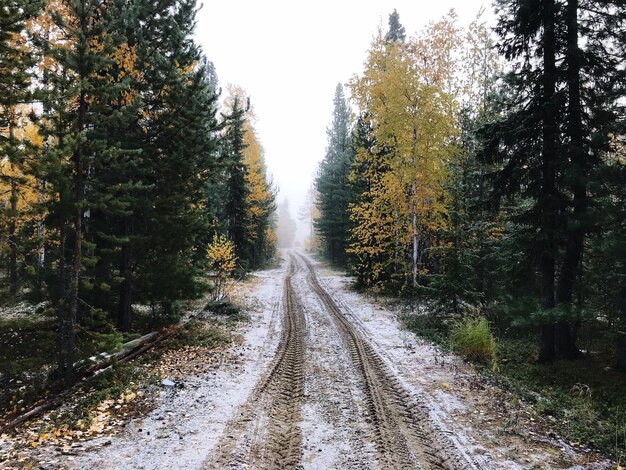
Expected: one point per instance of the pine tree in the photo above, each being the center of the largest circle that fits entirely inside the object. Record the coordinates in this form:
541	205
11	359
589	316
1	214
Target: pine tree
548	160
16	58
80	94
260	201
181	152
372	233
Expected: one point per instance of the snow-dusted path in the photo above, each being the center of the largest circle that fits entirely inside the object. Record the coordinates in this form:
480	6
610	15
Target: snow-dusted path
460	408
325	378
185	426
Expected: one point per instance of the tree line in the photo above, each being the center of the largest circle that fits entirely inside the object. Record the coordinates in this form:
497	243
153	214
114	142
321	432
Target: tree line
485	168
119	164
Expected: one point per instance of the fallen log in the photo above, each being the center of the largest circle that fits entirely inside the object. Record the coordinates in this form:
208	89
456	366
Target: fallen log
128	351
83	369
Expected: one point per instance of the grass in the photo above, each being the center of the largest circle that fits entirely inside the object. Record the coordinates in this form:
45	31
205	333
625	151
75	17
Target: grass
584	400
472	338
196	333
226	310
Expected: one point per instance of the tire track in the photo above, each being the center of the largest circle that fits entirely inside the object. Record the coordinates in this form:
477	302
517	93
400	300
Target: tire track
401	432
274	407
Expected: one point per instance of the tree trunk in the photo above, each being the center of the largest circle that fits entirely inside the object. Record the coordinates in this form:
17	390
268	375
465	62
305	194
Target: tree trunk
546	344
77	222
565	341
13	240
620	352
547	198
415	245
63	361
13	218
41	233
566	346
125	301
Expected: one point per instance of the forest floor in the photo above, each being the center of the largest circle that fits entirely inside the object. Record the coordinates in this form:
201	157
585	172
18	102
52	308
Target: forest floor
321	377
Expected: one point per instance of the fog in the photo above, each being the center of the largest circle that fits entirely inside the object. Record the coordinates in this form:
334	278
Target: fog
289	56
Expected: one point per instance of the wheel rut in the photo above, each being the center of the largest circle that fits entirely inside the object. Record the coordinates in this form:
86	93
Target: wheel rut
400	429
266	433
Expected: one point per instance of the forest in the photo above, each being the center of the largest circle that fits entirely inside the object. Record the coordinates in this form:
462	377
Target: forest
474	180
479	173
128	173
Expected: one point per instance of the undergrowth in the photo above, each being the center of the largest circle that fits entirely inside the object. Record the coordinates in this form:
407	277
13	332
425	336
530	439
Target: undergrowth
125	376
28	351
472	339
583	400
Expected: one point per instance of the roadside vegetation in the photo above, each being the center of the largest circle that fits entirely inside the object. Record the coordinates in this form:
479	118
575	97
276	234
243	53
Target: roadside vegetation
101	403
583	402
479	174
132	187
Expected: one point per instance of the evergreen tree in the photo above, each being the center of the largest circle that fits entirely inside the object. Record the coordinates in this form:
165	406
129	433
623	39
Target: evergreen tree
467	257
332	182
182	149
396	31
236	191
260	202
81	93
16	58
547	159
370	235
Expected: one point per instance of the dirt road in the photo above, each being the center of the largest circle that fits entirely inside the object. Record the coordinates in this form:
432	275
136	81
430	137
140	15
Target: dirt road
325	379
373	410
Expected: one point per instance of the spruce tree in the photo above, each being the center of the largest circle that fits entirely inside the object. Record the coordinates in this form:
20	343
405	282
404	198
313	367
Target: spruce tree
180	150
541	147
367	250
332	182
79	95
396	31
16	58
236	190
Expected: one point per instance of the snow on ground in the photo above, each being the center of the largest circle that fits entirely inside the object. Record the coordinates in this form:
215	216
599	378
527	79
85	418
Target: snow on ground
333	430
470	412
189	419
185	426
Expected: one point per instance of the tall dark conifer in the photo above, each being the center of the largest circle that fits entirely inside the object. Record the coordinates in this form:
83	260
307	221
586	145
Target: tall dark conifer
365	174
15	79
78	97
525	143
552	135
396	31
236	191
332	182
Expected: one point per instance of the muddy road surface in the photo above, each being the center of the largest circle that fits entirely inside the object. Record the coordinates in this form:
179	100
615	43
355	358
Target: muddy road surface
328	400
325	378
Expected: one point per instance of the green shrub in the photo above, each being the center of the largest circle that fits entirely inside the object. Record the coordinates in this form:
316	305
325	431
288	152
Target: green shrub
472	338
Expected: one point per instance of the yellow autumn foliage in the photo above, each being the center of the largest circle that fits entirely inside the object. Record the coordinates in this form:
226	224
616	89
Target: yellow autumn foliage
223	261
408	91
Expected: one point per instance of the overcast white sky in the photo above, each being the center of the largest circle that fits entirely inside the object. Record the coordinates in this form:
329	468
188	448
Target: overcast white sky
289	57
